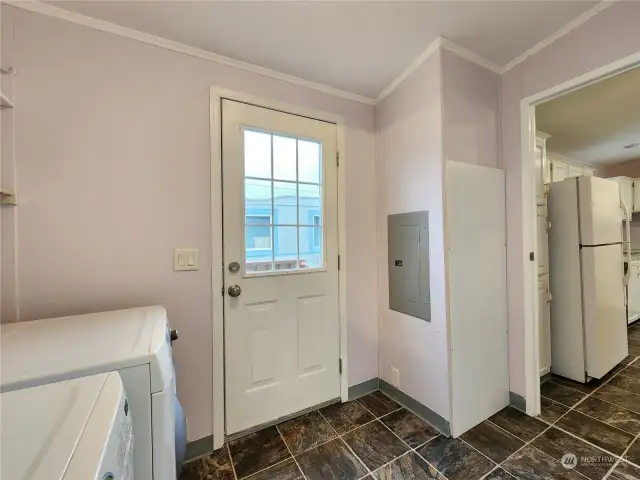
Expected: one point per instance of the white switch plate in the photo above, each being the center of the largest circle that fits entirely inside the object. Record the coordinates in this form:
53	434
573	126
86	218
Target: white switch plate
185	259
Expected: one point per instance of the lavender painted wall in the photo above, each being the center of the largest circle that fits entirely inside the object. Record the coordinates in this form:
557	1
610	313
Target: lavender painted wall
114	167
630	169
411	176
607	37
471	108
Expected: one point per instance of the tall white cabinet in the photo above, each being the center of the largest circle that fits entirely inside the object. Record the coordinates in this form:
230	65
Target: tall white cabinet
543	178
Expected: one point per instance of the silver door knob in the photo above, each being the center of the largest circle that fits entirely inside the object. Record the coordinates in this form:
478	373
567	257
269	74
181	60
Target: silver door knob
234	291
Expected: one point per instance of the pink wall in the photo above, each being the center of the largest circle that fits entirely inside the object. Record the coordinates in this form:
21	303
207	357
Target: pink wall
630	169
607	37
411	174
113	159
471	99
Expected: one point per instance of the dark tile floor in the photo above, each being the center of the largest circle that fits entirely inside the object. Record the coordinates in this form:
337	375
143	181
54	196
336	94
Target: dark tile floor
374	438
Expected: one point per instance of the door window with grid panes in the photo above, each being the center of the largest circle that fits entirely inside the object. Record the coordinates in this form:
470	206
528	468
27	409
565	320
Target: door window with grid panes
283	203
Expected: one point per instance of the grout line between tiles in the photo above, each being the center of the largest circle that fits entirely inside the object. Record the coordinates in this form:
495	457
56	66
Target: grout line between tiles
263	470
290	452
233	467
339	437
615	465
427	461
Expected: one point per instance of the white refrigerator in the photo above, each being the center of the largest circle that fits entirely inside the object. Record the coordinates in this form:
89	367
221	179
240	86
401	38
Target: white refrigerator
587	278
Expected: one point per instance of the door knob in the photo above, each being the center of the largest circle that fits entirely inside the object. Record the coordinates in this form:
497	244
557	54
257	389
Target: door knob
234	291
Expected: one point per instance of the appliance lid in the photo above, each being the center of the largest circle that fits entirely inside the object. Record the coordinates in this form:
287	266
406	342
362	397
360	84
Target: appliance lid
50	350
44	425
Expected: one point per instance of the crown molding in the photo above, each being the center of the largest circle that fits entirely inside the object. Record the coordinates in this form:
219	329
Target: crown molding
445	44
104	26
572	25
413	66
469	55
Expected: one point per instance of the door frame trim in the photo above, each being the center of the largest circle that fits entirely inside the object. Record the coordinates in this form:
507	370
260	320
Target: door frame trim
217	275
529	213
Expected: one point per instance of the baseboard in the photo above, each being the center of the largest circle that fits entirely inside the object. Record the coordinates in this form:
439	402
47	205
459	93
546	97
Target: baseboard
518	402
364	388
411	404
198	448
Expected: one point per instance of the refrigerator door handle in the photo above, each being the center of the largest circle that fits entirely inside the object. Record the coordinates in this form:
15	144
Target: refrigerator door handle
627	240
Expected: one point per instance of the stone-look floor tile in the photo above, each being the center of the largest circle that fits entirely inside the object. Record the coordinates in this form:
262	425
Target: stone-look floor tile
611	414
408	467
630	384
550	410
287	470
629	359
306	432
378	403
499	474
625	471
492	441
216	466
594	431
581	387
409	427
331	461
633	455
346	416
635	351
619	397
455	459
257	451
518	424
561	394
375	444
632	371
532	464
556	444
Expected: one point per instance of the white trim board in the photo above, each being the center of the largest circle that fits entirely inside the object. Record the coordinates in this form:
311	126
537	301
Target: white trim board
217	276
529	220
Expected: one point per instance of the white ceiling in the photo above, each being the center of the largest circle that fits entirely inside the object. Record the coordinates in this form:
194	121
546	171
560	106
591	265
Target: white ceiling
592	125
355	46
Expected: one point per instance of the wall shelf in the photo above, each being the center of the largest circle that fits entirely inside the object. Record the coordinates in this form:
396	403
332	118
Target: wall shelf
8	197
5	102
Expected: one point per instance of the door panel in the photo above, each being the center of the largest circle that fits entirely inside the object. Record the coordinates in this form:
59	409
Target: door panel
280	248
544	324
600	217
604	310
543	242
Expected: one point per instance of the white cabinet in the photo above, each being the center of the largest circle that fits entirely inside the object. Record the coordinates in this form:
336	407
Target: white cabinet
636	196
633	291
626	191
544	325
543	172
575	170
543	241
559	170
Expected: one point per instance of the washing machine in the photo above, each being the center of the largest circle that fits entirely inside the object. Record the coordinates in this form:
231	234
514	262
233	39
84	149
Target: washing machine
74	430
136	343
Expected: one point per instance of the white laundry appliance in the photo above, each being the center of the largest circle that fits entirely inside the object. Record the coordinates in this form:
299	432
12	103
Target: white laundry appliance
136	343
74	430
587	278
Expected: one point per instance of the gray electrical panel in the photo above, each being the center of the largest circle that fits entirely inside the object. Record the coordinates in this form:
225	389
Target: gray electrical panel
409	264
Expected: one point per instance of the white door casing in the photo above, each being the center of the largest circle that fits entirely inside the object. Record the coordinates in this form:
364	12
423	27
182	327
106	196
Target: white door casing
282	338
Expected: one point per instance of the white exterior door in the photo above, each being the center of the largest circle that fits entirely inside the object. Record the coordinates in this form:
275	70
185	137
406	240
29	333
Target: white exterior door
281	318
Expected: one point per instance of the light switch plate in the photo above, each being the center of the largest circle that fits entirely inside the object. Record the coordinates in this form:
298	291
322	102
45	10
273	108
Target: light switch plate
185	259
